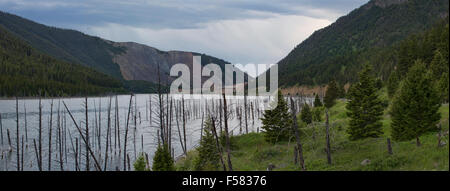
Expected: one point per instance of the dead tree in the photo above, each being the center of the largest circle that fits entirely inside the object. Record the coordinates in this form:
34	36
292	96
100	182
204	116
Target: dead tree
108	134
439	135
219	146
1	128
327	125
97	165
26	123
37	155
245	113
40	136
227	137
87	145
126	136
17	134
184	124
389	147
50	138
299	147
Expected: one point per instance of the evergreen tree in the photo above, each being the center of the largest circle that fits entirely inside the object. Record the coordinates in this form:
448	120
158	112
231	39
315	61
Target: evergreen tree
438	66
277	122
331	94
317	113
140	163
340	91
443	88
392	84
364	107
306	114
317	102
208	156
162	161
415	107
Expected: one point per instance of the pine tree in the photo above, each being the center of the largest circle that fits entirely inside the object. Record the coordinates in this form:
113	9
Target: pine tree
140	163
208	156
443	88
317	113
392	83
317	102
364	107
439	65
162	161
415	107
331	94
277	122
306	114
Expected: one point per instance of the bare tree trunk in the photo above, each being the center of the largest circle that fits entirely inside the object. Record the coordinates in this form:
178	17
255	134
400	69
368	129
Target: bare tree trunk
97	165
126	136
76	154
40	135
50	138
1	128
108	135
26	123
179	131
328	137
227	137
245	113
37	155
17	134
184	125
21	165
219	146
299	147
87	134
439	135
389	146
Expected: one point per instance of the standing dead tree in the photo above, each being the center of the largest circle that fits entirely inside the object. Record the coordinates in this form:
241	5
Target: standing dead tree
97	165
17	134
327	125
108	134
1	129
40	136
227	137
126	136
50	138
219	146
87	145
299	147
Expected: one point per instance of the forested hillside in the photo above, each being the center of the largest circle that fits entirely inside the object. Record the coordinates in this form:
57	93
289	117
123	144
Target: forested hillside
364	35
135	65
25	71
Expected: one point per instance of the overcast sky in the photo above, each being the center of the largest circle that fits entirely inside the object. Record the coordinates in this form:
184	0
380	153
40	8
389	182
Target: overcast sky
238	31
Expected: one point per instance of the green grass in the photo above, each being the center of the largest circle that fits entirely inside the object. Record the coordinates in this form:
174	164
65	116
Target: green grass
251	152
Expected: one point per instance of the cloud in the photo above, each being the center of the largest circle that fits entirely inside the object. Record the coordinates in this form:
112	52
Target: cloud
250	31
243	41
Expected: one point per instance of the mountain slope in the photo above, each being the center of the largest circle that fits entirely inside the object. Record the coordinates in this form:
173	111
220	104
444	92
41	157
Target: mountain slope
25	71
337	51
135	64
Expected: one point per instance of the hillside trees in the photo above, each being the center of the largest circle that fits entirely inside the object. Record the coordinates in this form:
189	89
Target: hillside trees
26	72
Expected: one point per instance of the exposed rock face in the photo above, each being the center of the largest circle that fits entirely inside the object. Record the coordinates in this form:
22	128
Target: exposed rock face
140	62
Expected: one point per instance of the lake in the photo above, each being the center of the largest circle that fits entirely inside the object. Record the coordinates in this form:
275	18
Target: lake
143	128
